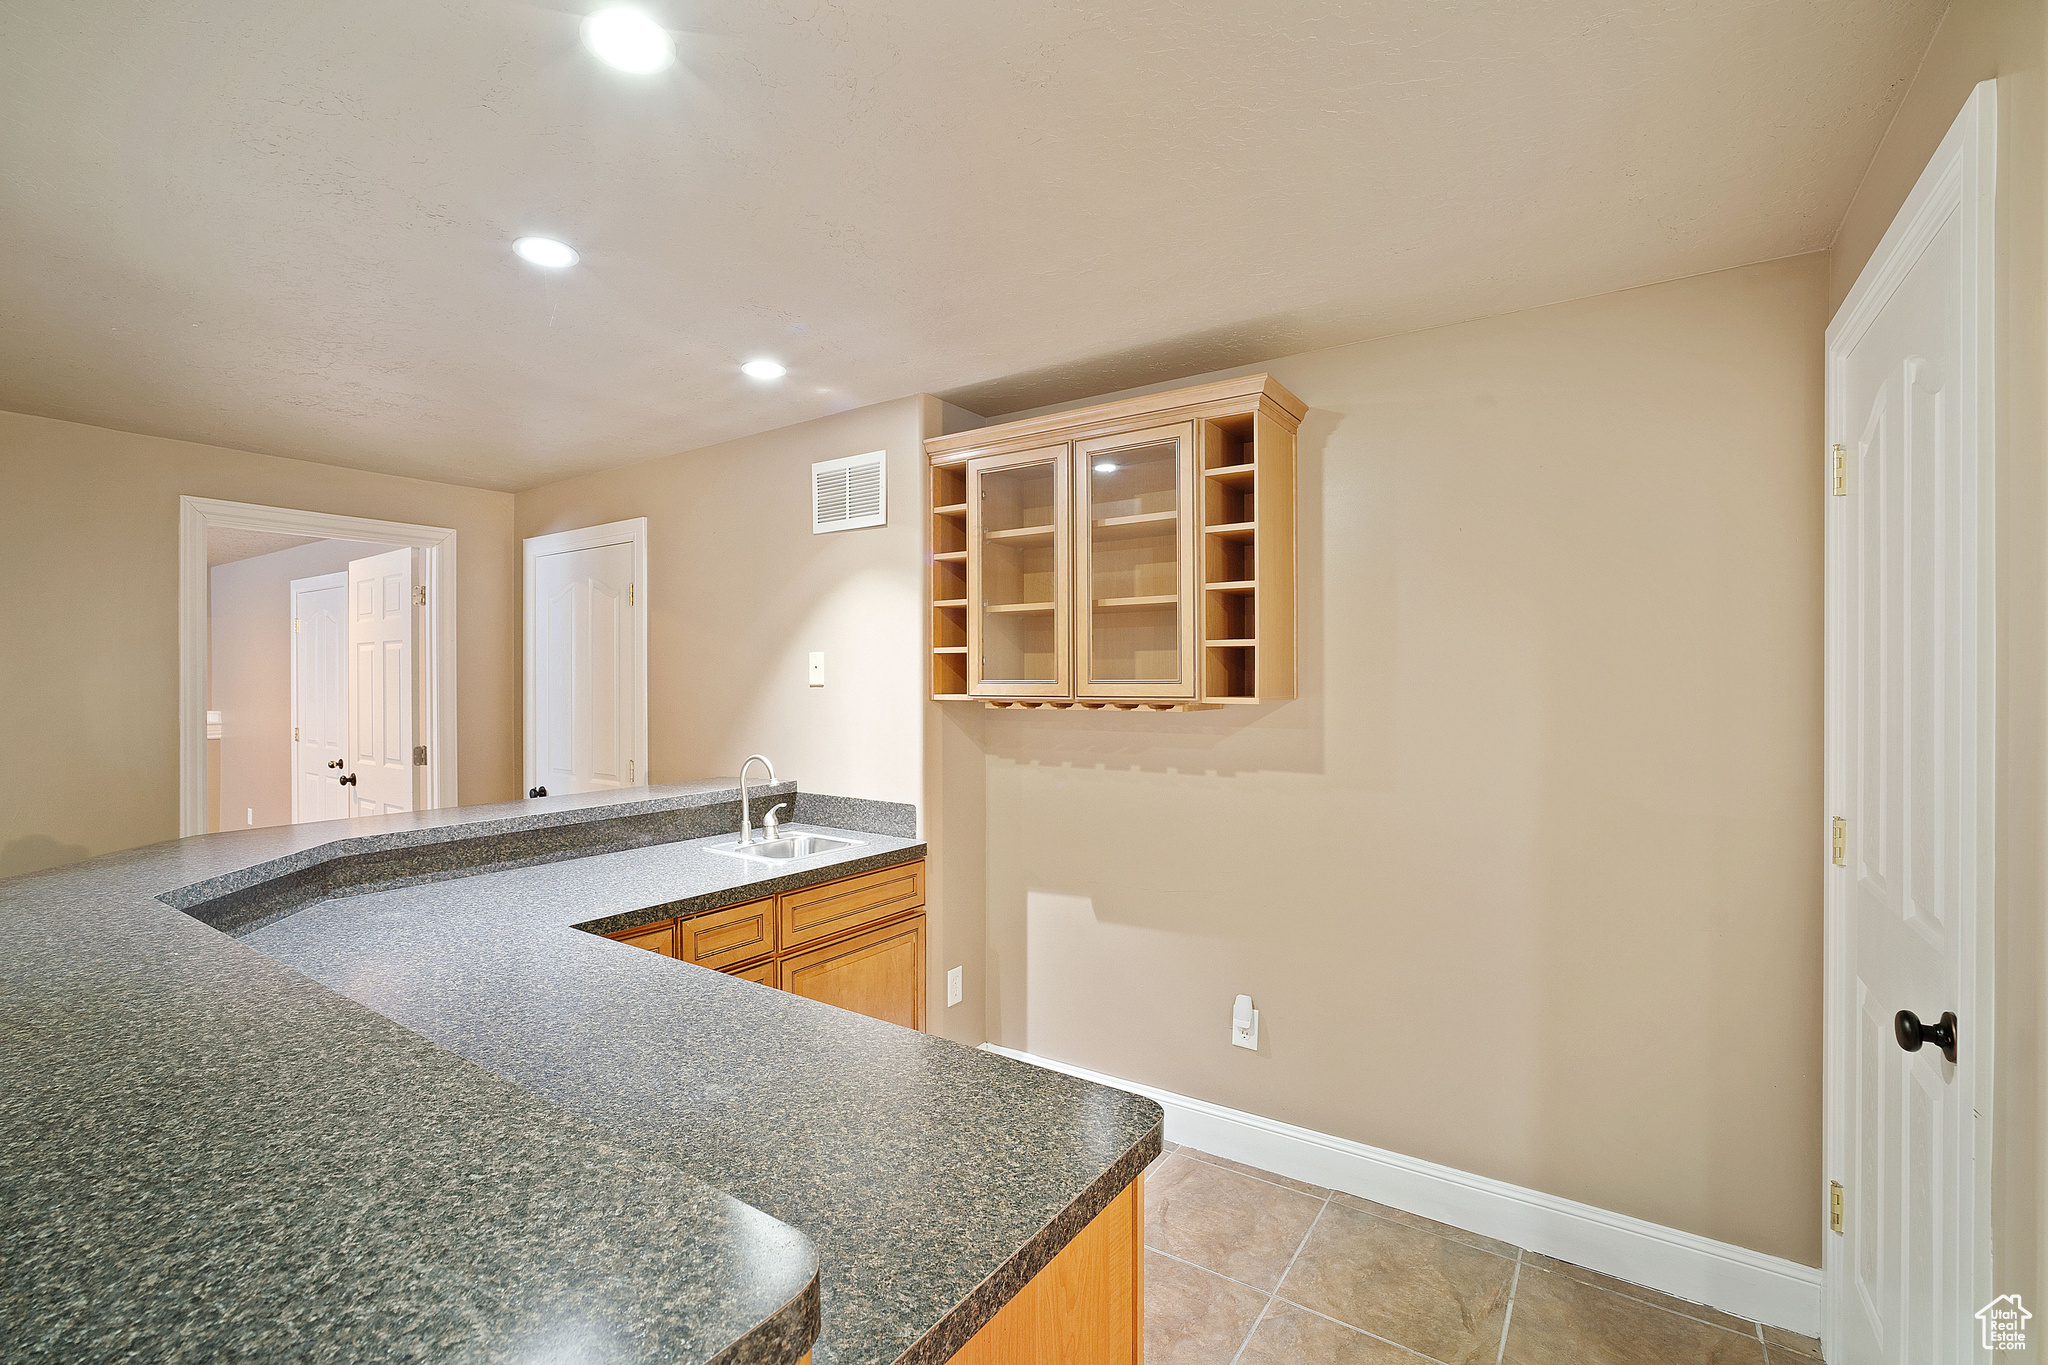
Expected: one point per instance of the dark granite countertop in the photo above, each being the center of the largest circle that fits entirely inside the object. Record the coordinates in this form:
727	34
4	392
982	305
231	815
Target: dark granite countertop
486	1133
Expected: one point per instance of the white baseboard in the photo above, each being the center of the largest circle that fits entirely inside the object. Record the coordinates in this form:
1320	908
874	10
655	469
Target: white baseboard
1733	1279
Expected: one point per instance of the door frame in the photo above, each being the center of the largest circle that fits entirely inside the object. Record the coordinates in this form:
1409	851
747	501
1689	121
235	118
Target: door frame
631	531
436	663
338	579
1961	178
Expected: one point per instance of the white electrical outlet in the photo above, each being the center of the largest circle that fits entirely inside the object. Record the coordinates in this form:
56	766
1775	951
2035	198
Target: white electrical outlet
1244	1024
252	814
817	668
953	987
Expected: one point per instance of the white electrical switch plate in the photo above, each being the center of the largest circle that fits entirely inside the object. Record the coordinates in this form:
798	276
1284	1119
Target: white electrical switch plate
817	668
953	987
1244	1024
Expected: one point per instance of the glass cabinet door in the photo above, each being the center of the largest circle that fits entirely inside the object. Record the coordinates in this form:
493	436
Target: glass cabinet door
1136	515
1018	575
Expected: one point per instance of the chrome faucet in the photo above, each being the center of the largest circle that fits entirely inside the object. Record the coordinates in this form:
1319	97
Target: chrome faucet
768	821
746	817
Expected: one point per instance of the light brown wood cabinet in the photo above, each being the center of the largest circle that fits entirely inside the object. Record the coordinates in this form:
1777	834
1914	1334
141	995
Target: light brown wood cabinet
1137	555
857	942
879	973
1087	1307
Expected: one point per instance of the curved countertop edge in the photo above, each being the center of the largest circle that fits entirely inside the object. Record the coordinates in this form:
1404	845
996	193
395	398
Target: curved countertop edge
784	1337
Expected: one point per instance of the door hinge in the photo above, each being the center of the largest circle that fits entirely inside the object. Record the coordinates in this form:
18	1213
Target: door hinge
1834	1206
419	595
295	734
1841	470
629	771
295	625
629	594
419	755
1839	843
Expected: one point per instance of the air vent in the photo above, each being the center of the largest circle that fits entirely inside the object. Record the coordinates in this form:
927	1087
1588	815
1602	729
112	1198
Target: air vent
849	493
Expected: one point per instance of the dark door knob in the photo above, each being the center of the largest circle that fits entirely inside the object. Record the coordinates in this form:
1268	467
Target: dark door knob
334	763
347	780
1912	1033
538	791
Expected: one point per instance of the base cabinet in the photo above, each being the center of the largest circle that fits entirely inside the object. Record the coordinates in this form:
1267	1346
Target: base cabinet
1087	1307
857	942
879	973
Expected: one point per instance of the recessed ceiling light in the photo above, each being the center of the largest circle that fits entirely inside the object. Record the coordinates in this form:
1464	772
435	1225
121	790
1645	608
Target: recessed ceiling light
545	251
764	369
1105	468
627	39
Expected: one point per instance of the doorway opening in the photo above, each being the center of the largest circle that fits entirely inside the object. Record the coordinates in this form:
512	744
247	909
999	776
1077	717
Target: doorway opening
586	658
316	656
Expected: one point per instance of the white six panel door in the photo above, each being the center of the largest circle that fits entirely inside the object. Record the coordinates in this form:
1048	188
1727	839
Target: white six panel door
1904	559
380	712
584	670
320	665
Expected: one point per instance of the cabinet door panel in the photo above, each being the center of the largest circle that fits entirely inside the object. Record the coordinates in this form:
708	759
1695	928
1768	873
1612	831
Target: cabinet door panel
737	933
879	973
761	973
1017	575
1135	573
656	938
815	913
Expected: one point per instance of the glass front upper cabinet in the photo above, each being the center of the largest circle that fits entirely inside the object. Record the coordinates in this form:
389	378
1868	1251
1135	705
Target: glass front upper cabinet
1018	575
1136	512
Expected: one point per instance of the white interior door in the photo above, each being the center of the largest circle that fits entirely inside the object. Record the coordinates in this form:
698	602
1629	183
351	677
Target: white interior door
380	684
1908	711
319	697
584	667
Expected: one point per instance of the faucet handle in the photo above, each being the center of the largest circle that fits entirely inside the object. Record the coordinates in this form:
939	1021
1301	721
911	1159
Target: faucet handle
769	822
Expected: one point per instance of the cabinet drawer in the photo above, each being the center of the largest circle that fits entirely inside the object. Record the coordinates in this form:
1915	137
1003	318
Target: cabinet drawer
761	973
738	933
879	973
657	938
819	912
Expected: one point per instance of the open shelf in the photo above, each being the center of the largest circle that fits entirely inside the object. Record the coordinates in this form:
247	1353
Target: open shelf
1154	600
1241	585
951	555
957	509
951	602
1229	670
1236	530
949	649
1229	442
1232	475
994	609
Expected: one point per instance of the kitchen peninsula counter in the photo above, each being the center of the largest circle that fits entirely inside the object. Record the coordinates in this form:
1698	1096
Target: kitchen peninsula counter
390	1095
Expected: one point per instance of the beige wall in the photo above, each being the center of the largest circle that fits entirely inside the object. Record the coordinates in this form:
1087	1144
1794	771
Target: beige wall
742	592
89	549
2008	40
1525	882
250	675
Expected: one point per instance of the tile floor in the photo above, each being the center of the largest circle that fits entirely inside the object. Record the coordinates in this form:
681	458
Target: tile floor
1244	1267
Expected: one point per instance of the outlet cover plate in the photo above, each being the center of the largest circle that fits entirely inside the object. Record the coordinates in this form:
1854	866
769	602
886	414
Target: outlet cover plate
953	990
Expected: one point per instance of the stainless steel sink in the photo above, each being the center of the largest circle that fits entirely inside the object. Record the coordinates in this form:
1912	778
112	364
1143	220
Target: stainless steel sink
785	849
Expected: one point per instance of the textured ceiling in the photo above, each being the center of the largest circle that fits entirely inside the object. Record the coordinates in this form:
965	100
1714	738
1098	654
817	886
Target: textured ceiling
227	545
284	226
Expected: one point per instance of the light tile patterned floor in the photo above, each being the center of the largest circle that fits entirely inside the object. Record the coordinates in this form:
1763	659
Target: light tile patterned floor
1244	1267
